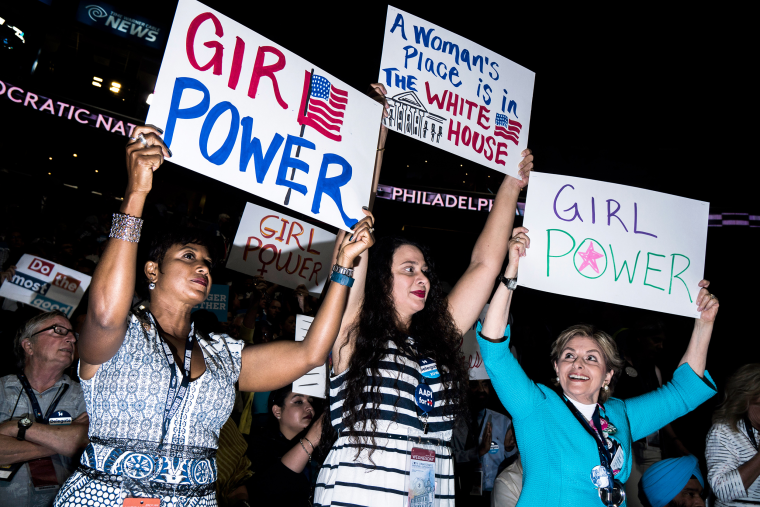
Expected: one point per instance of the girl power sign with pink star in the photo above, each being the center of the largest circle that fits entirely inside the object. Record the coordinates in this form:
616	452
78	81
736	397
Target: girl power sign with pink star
614	243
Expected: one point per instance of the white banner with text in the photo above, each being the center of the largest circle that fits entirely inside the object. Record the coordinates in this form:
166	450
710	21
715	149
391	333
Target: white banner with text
454	94
244	110
614	243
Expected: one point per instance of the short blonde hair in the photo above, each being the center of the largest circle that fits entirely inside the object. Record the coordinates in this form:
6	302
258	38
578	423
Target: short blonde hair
741	390
612	359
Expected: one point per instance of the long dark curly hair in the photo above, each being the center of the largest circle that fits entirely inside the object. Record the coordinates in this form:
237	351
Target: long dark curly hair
435	335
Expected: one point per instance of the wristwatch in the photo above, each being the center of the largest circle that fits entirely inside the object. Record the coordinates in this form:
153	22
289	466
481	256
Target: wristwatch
349	272
509	283
24	423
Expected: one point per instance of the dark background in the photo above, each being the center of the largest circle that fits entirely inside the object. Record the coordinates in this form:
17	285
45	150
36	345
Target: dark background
633	95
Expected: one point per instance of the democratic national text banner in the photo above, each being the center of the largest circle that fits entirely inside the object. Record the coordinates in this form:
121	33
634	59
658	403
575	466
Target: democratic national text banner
46	285
453	94
244	110
282	249
614	243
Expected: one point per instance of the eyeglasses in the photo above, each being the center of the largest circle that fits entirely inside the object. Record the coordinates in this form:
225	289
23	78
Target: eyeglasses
59	330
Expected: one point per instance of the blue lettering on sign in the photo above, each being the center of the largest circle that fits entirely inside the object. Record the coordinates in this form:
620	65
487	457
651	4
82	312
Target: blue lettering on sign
251	146
47	305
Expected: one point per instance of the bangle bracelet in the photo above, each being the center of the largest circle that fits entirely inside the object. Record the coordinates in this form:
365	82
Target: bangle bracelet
342	279
304	449
381	149
309	441
349	272
126	227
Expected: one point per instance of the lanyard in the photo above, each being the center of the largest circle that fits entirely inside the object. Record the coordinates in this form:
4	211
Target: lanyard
33	399
176	394
750	431
604	454
424	399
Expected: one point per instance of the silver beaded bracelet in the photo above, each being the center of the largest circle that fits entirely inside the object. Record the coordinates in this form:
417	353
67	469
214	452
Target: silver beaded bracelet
126	227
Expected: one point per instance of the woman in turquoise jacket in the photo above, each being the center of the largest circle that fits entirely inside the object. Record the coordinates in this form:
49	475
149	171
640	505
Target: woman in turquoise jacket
575	445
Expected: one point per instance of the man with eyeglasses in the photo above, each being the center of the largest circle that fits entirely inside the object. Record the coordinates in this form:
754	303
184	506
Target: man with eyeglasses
43	418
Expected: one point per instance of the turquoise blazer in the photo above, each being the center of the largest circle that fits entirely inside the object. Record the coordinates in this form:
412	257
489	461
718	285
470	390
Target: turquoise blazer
557	453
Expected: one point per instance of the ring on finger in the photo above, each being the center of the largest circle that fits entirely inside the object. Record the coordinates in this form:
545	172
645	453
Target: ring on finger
712	296
142	140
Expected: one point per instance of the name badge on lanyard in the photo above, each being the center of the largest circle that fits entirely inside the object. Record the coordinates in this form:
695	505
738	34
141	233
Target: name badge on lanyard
60	418
422	478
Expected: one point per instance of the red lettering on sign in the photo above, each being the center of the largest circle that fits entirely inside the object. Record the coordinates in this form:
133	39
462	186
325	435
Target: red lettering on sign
271	232
216	60
311	238
66	282
41	266
260	70
248	247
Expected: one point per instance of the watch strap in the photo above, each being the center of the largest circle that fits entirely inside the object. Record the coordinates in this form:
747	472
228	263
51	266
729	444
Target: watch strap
21	433
509	283
343	271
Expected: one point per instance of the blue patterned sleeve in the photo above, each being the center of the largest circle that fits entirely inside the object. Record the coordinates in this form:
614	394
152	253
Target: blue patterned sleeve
519	394
650	412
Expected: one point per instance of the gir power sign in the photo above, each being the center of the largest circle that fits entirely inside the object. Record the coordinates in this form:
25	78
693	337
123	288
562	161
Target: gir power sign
614	243
244	110
454	94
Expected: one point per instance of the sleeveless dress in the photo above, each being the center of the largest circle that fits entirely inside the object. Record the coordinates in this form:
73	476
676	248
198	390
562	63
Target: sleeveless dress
126	400
380	480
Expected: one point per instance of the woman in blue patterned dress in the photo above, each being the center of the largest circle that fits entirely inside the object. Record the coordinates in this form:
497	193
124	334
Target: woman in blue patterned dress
398	371
157	391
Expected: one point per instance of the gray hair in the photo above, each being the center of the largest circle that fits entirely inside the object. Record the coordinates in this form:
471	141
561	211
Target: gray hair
26	331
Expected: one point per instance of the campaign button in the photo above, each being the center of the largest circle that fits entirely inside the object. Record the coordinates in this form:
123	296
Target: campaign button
424	397
428	368
494	448
60	418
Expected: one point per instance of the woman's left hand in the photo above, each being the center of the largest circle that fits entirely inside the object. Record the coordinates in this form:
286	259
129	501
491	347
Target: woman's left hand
525	167
378	92
707	303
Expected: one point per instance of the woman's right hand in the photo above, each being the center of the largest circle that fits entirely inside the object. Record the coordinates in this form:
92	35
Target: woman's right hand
517	248
315	432
360	240
142	160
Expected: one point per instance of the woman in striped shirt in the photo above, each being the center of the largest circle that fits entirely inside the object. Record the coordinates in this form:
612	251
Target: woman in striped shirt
733	463
397	369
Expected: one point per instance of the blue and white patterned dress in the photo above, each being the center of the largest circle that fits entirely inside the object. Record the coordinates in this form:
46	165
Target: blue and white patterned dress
380	480
126	400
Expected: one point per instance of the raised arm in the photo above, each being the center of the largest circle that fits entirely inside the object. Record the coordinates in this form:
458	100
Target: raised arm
517	392
696	352
113	283
342	349
470	294
273	365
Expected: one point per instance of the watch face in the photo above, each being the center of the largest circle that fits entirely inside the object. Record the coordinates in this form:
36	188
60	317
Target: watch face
26	421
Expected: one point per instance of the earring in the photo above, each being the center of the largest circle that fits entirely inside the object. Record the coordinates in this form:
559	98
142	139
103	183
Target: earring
557	379
605	388
152	285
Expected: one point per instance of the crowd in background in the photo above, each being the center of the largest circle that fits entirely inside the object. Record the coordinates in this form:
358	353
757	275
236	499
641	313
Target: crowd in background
265	427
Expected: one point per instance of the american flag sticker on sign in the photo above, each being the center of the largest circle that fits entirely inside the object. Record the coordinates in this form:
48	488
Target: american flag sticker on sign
323	106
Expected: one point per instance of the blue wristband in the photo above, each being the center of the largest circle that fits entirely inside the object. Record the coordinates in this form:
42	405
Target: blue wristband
342	279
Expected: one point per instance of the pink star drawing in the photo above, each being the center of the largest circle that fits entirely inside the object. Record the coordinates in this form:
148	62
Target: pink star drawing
589	258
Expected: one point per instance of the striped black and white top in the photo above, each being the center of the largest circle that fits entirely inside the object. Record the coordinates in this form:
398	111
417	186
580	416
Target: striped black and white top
728	449
380	480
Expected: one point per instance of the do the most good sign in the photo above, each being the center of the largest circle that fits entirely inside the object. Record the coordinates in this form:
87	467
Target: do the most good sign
241	109
46	285
454	94
614	243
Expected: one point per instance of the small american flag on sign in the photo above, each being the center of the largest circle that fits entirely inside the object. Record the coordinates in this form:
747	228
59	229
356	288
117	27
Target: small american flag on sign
323	106
506	128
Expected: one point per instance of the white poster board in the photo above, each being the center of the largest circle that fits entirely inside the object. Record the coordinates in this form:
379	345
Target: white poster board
471	350
282	249
233	103
454	94
614	243
46	285
314	382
